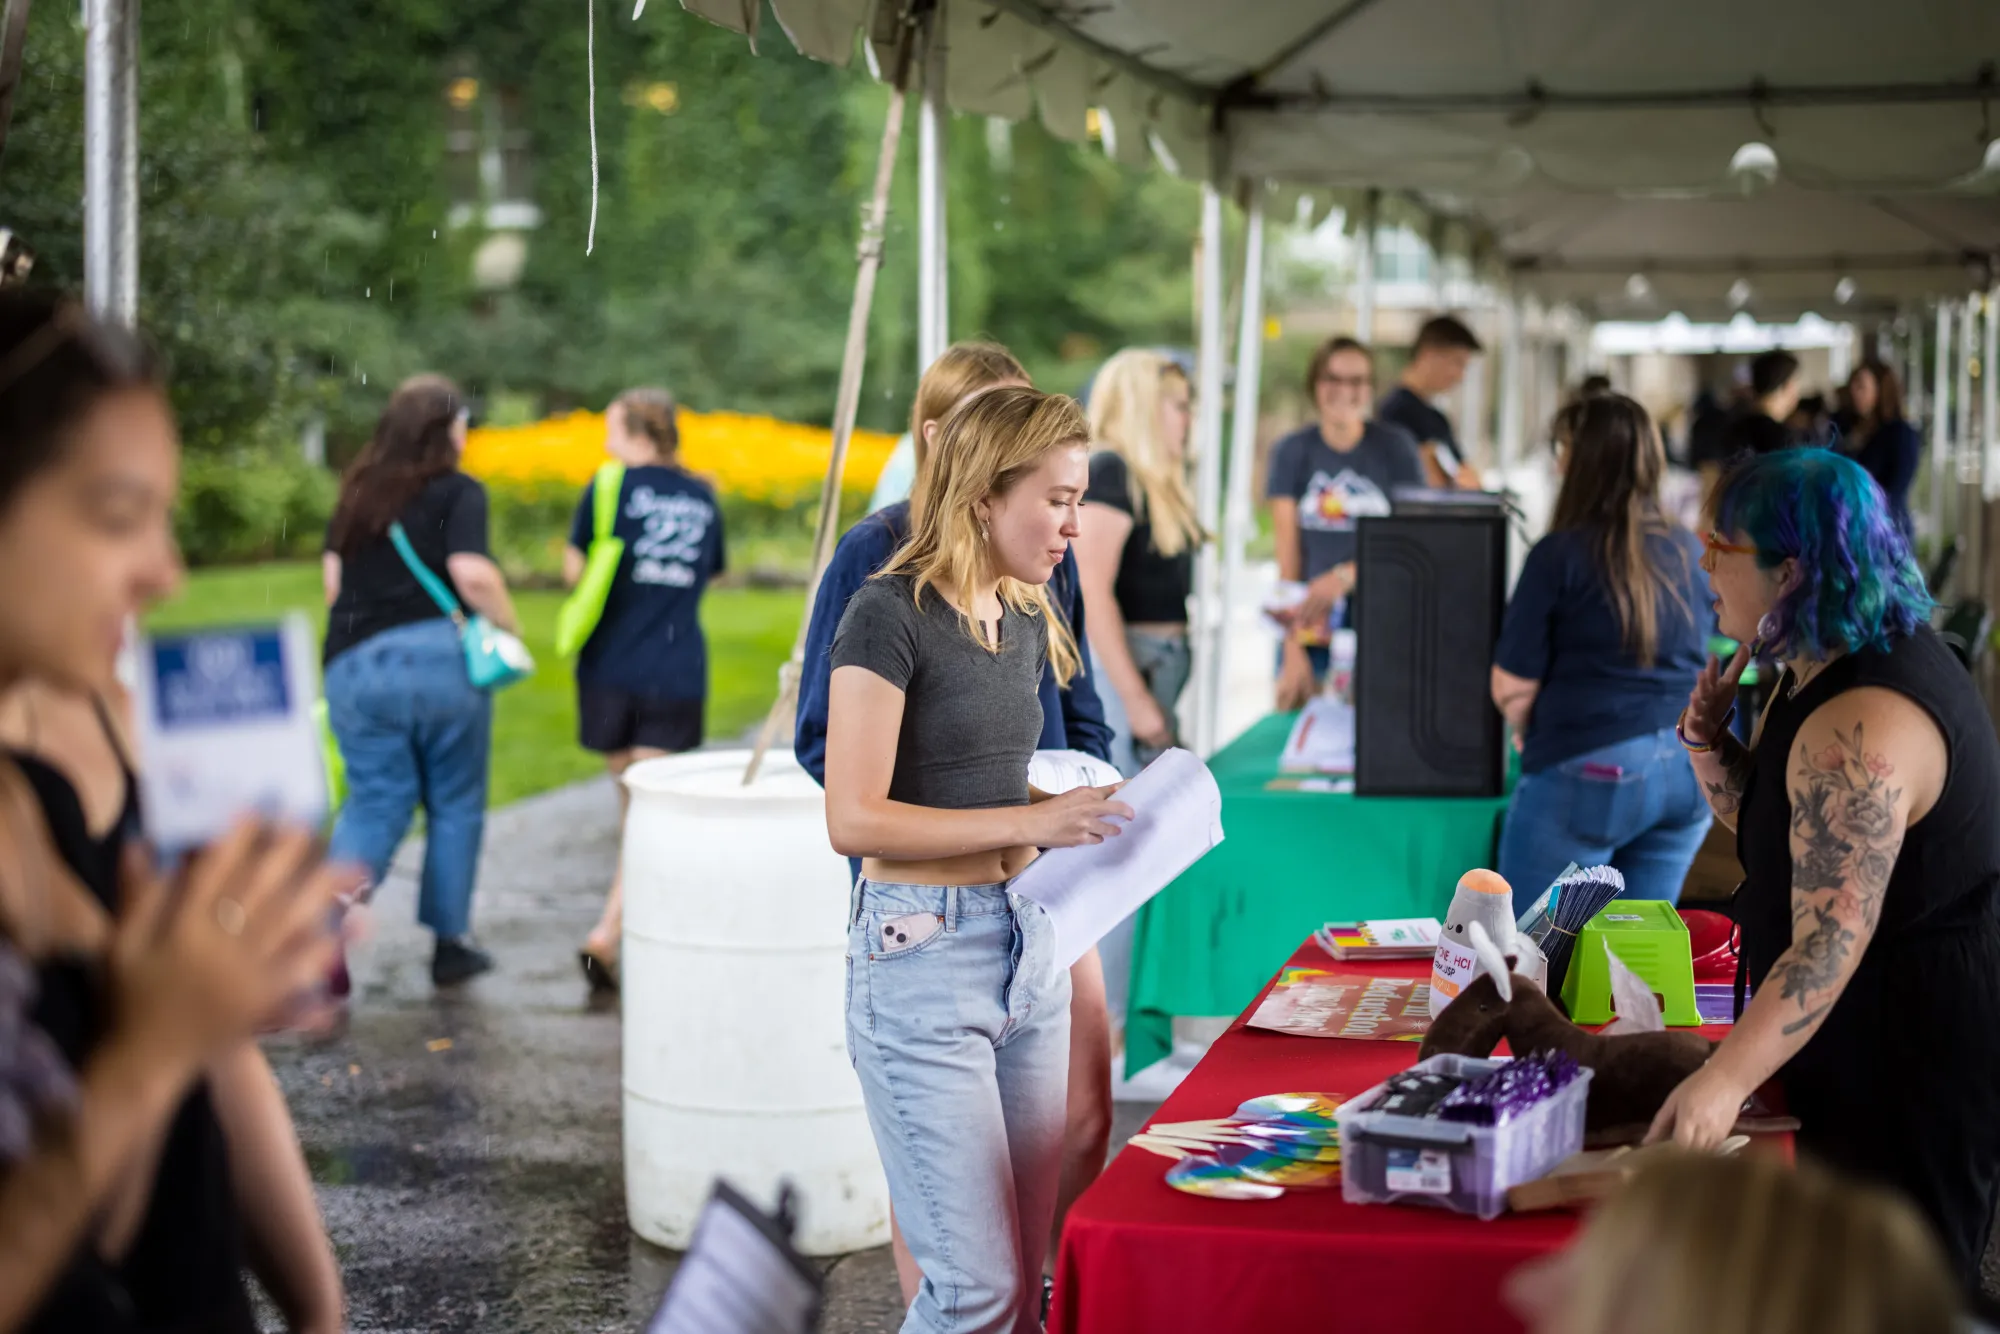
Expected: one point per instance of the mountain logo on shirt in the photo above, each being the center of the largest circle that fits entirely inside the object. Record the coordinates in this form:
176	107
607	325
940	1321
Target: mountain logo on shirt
1332	504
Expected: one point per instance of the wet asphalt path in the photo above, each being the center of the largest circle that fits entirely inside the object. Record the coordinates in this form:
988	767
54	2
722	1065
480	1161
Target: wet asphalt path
466	1146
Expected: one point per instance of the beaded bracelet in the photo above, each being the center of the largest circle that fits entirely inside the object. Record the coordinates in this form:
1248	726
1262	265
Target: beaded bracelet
1680	730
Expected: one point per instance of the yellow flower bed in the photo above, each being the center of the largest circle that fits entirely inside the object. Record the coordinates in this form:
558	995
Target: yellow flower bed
757	458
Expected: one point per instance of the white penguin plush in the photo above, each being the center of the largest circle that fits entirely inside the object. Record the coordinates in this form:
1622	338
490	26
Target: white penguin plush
1486	898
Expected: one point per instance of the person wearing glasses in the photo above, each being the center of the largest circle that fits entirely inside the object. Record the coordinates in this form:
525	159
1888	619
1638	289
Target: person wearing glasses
412	728
1601	642
1864	816
1324	476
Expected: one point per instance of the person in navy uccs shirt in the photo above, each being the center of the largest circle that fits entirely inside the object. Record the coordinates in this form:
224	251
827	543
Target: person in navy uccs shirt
642	677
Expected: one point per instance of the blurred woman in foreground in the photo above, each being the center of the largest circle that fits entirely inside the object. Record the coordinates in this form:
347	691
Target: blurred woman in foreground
136	1000
1745	1244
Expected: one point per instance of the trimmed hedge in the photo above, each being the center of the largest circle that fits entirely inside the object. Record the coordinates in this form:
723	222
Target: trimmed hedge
249	508
235	510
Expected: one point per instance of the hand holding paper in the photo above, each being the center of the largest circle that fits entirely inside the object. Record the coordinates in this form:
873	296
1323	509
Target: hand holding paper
1087	890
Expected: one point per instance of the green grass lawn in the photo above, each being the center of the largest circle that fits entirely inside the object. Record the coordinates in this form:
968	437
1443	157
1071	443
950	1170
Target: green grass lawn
749	631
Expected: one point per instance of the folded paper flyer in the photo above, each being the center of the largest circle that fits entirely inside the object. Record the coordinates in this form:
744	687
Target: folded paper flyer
1177	818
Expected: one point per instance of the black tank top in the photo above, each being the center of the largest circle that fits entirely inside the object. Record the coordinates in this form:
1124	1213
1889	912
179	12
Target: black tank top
184	1272
1947	874
1901	1082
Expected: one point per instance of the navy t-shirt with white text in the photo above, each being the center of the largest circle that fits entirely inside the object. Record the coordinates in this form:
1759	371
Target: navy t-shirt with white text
649	641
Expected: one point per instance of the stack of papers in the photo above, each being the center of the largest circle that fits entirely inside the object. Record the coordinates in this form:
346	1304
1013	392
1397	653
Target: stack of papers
1087	890
1384	938
1318	1004
1322	740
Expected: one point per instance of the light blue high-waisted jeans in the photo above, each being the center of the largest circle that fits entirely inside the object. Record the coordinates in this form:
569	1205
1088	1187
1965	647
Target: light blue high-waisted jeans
958	1024
414	732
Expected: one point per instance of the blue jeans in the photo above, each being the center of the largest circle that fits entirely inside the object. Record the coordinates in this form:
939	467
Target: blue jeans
414	733
958	1024
1634	805
1164	662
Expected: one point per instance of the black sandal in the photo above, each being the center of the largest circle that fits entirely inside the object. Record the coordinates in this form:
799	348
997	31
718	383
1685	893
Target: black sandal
600	972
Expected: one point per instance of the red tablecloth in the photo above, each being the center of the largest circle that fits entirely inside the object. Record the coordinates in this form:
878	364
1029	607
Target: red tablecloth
1138	1255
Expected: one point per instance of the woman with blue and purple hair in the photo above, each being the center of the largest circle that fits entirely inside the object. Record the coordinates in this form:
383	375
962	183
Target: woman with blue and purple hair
1867	817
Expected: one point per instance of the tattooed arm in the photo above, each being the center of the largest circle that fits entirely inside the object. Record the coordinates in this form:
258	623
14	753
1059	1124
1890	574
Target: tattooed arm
1724	771
1723	774
1865	765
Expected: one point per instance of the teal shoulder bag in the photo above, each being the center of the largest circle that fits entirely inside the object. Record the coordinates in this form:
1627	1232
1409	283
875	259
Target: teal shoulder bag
494	659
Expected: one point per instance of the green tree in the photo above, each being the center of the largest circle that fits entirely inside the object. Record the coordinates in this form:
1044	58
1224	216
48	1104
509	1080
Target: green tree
228	237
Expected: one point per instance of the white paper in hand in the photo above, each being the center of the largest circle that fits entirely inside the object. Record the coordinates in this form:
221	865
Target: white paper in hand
1058	771
1177	817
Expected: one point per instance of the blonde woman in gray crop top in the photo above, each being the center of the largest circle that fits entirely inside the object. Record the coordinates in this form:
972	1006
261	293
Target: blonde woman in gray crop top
957	1013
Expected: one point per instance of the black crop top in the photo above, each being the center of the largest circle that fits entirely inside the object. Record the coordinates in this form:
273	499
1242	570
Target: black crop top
1150	588
185	1268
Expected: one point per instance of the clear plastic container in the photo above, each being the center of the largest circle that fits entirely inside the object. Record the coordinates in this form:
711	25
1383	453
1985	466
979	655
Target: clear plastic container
1387	1158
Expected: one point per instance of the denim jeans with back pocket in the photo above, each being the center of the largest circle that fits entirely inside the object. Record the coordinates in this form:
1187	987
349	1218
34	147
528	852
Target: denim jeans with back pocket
958	1024
413	732
1634	805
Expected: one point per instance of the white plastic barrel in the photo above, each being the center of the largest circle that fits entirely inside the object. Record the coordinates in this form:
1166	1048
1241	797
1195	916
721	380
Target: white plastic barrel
733	984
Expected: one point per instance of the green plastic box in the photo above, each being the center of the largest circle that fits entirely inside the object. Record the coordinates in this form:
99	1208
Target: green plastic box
1651	938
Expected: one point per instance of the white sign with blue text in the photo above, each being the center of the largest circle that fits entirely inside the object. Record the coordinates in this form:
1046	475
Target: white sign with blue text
226	728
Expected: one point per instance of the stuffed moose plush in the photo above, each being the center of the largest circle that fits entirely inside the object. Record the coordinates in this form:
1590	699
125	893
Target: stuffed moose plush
1632	1072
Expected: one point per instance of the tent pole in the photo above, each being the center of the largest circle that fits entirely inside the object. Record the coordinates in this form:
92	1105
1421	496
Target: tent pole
1940	420
1208	464
1969	455
847	402
1474	437
1913	377
1243	441
111	160
1840	354
933	322
1364	270
1989	398
1512	373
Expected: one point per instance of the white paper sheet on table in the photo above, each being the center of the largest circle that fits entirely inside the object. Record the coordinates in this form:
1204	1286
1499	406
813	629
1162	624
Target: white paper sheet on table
1322	740
1177	817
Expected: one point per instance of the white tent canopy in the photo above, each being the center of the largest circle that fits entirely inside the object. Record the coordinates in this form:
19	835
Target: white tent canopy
1482	96
1625	159
1778	252
1580	142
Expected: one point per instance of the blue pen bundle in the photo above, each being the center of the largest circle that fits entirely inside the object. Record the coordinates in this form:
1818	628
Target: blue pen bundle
1560	914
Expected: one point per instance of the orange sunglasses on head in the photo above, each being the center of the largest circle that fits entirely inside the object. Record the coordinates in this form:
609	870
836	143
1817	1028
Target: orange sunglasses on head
1710	542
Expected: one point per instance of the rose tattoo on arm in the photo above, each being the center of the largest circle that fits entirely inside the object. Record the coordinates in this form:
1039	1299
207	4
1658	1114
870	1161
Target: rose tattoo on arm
1846	832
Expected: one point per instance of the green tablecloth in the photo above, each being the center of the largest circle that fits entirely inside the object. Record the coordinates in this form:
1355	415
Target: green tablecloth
1288	862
